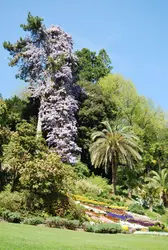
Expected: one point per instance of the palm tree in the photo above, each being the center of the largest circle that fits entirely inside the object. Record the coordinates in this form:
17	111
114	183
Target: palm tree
113	146
160	181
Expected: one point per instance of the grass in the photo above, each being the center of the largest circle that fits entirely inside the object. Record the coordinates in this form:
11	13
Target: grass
152	215
24	237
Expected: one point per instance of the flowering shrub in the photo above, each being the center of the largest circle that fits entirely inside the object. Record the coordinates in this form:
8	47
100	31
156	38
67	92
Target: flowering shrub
125	228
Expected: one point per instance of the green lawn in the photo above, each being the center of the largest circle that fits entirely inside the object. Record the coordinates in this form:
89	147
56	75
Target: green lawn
23	237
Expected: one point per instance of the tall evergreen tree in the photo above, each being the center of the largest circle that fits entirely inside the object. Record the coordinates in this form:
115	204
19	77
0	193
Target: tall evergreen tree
91	67
46	61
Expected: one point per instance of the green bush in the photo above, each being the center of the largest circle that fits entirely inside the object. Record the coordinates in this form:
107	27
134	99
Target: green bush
85	186
72	224
47	175
11	201
1	211
155	229
81	170
33	221
93	186
159	209
165	229
13	217
101	182
108	228
159	224
33	201
87	227
57	222
136	208
65	207
75	212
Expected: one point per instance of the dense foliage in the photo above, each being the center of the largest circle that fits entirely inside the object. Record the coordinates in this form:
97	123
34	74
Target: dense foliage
77	129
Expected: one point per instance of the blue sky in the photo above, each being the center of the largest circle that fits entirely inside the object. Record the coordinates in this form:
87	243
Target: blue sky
133	32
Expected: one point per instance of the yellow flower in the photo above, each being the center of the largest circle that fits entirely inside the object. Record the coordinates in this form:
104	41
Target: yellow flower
86	200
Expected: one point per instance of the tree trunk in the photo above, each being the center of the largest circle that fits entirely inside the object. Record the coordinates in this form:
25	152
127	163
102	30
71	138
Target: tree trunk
39	124
130	192
114	177
161	199
14	182
165	199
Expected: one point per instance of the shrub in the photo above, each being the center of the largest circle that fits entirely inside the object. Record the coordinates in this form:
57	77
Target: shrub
155	229
75	211
1	210
93	186
33	202
33	221
108	228
11	201
57	222
47	175
165	229
81	170
88	227
159	224
72	224
102	183
159	209
64	206
85	186
136	208
9	216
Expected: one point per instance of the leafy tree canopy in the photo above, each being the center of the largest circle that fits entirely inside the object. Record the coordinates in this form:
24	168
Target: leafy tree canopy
91	67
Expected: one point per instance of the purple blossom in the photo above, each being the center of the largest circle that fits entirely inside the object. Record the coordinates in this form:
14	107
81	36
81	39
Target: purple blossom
54	88
119	216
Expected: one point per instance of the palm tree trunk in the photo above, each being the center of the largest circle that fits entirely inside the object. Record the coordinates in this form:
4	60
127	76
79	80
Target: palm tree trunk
165	199
114	172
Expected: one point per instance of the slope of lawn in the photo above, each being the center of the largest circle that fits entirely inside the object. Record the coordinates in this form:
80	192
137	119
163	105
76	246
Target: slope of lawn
24	237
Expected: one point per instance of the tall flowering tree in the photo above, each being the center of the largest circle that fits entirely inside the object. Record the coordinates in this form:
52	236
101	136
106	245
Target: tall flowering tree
46	62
